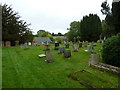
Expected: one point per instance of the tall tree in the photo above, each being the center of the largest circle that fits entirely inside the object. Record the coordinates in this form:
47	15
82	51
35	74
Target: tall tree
90	28
74	30
12	27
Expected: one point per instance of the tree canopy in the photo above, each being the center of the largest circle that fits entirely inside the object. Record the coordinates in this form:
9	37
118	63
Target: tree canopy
12	27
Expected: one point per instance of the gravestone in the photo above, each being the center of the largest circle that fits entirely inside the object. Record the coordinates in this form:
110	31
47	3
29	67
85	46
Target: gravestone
29	43
94	59
56	46
24	46
67	45
61	49
90	48
67	53
85	44
49	57
47	47
16	43
7	43
3	43
75	48
80	44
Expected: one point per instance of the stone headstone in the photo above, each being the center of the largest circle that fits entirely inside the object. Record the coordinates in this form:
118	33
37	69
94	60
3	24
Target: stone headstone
24	46
67	53
49	57
47	47
56	46
7	43
3	44
29	43
85	44
67	45
75	48
61	49
90	48
16	43
94	59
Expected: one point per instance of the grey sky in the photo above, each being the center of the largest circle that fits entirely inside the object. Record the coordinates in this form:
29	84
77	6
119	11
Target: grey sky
54	15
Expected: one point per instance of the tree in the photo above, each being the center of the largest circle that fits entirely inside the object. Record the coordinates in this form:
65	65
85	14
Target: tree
12	27
116	16
40	31
90	28
74	30
59	39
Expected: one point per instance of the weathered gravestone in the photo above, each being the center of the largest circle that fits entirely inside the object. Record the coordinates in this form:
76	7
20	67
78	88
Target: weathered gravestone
67	53
16	43
67	45
85	44
7	43
56	46
94	59
75	48
47	47
24	46
29	43
49	57
61	49
90	48
3	43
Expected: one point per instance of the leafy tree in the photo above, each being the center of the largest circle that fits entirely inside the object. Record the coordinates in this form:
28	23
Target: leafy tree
59	39
12	27
90	28
51	37
40	31
74	30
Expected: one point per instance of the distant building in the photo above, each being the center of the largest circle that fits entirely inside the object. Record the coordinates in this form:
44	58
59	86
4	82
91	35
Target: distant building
41	40
116	0
63	37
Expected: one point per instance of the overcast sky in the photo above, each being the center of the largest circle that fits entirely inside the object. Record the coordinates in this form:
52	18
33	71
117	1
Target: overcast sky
54	15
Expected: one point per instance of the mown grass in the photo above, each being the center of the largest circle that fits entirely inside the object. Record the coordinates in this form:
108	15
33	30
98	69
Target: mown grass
22	68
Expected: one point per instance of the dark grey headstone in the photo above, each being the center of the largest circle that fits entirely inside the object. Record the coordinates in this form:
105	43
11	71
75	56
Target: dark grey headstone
80	44
67	53
56	46
49	57
61	49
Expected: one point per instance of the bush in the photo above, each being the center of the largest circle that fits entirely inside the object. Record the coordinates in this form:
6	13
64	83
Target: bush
111	51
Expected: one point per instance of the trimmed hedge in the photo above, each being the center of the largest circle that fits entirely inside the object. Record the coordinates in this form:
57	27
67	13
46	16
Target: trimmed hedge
111	51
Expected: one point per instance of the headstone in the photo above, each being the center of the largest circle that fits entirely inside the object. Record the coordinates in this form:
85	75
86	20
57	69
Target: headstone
85	44
29	43
75	48
24	46
47	47
56	46
67	53
61	49
67	45
80	44
49	57
16	43
90	48
7	43
3	43
94	59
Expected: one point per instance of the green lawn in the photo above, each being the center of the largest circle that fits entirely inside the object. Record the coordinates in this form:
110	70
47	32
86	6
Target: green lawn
22	68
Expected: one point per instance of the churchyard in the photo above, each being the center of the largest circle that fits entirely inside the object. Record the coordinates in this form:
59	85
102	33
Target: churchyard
23	68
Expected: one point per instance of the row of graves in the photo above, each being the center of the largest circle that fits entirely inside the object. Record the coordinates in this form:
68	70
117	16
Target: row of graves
8	43
94	60
64	50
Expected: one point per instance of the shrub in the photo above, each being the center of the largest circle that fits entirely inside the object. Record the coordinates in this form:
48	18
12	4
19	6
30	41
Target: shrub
111	51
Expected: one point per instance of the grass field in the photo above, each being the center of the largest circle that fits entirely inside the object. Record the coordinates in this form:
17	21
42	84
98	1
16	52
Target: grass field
22	68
